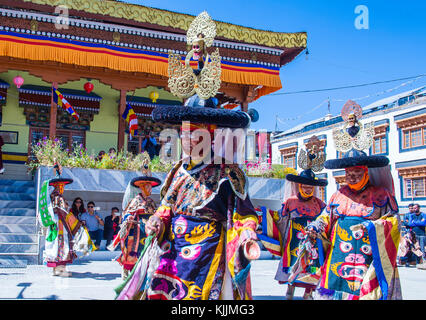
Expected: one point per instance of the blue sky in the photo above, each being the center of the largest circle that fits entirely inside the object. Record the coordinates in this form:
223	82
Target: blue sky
392	47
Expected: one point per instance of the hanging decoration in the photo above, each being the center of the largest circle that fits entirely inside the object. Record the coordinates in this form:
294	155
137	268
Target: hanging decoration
88	87
154	96
132	119
18	81
59	99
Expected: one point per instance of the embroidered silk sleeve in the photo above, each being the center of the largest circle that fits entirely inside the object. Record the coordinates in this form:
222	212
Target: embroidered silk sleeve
245	220
323	223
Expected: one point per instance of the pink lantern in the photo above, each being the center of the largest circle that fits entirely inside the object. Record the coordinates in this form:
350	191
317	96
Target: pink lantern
18	81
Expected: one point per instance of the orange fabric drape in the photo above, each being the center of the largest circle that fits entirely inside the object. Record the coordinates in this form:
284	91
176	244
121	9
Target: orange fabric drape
88	54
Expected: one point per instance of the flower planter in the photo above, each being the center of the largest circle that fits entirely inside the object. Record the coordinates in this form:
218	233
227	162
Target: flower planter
262	191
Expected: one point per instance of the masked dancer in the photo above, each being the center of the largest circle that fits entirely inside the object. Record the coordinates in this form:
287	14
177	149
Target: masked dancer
361	221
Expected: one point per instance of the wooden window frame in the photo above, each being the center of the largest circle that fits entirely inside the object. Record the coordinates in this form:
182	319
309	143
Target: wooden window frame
410	181
322	193
58	131
287	157
409	133
383	148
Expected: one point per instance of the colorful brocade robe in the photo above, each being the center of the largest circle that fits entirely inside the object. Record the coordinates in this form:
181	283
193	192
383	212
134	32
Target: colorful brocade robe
208	215
133	242
296	214
72	241
360	263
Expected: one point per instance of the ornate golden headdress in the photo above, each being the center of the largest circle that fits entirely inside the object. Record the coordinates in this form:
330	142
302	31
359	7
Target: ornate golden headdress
183	82
313	158
201	28
353	135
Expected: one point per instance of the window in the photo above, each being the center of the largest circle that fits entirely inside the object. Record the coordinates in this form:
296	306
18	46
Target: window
413	138
288	156
135	145
289	161
69	138
415	188
379	145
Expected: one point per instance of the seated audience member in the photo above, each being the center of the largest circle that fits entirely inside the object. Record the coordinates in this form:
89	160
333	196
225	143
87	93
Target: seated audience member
100	155
77	207
112	225
93	223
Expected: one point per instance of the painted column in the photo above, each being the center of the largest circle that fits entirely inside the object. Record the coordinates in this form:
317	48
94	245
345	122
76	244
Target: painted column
121	121
244	106
53	113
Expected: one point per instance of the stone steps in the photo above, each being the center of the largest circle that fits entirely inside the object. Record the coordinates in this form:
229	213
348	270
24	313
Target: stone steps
18	228
18	260
30	204
18	212
16	248
16	183
17	220
18	172
17	188
17	196
18	237
7	261
19	241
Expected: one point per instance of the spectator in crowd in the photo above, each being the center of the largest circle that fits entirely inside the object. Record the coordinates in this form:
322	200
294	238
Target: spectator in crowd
410	210
112	152
93	223
100	155
149	144
416	222
168	147
77	207
1	155
404	226
112	225
409	249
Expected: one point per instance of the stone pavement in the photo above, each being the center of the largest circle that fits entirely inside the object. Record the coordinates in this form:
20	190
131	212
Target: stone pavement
95	279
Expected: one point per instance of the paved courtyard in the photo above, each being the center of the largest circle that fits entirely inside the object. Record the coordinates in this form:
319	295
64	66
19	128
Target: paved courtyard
95	279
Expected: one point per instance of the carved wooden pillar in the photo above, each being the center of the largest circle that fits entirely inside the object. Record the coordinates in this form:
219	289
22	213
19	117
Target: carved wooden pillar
248	94
244	106
121	121
53	113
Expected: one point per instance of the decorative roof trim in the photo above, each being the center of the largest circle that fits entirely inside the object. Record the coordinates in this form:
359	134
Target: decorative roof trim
410	164
322	175
180	21
412	172
40	104
46	91
139	101
129	45
320	137
409	114
136	31
288	145
4	84
413	122
338	173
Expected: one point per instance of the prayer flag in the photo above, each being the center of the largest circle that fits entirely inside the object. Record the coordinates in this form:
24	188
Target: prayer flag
131	118
59	99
